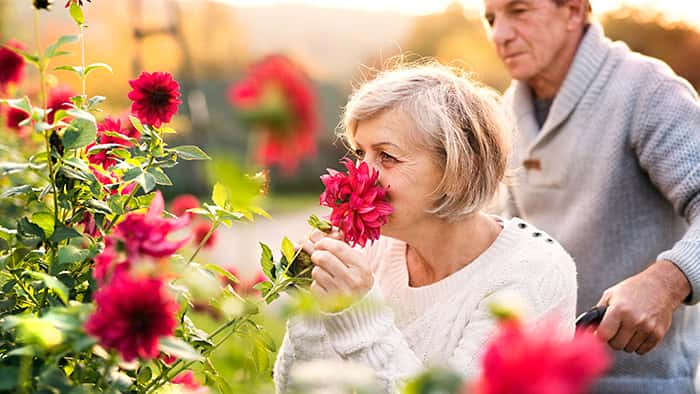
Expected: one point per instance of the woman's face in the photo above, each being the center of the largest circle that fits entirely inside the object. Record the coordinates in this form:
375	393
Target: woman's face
406	169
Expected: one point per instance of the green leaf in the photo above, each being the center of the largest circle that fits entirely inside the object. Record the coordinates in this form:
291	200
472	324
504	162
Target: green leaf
219	195
190	152
22	103
7	233
160	176
94	66
144	375
16	191
52	50
266	261
217	269
176	347
76	13
93	101
132	174
76	69
29	233
70	254
62	233
79	133
100	206
147	181
288	249
136	123
45	220
261	357
52	283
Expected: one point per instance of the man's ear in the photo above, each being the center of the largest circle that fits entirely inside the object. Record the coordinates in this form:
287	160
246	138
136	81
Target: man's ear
578	11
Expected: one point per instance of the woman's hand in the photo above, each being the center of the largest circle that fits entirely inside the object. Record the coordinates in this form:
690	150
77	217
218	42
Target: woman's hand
340	271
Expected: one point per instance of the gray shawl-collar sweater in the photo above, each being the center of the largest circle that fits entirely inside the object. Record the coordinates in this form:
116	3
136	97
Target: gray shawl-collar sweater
614	176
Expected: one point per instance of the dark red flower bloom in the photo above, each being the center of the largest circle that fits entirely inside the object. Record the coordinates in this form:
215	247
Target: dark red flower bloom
13	117
277	100
106	264
111	182
200	231
131	315
146	234
540	362
182	203
155	97
11	64
103	157
188	380
59	98
358	202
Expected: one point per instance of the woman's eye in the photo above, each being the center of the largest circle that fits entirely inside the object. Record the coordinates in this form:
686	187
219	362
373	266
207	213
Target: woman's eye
518	11
385	157
359	153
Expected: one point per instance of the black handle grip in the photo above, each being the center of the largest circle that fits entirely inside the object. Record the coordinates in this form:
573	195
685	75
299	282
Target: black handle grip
592	317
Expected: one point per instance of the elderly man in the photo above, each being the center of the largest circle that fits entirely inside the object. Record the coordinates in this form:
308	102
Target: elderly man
608	150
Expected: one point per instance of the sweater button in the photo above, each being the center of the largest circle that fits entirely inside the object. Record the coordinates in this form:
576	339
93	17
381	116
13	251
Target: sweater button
537	234
522	225
551	241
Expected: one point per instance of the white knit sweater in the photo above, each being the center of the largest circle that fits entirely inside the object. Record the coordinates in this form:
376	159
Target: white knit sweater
398	330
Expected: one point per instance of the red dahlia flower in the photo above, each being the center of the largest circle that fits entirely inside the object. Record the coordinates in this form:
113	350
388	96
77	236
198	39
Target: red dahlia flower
277	99
182	203
11	64
146	234
103	157
155	97
59	98
191	384
131	315
358	202
200	231
539	362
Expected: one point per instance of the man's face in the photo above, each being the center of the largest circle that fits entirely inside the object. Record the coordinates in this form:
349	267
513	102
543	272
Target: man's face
528	34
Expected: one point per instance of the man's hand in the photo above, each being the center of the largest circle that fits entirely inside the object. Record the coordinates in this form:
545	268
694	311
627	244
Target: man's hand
640	308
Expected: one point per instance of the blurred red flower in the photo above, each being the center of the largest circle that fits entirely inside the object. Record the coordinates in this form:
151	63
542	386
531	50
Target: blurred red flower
131	315
277	100
11	64
155	97
540	362
59	98
146	234
200	231
359	205
182	203
191	384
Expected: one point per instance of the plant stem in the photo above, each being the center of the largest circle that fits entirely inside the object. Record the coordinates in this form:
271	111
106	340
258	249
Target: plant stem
204	240
83	76
24	288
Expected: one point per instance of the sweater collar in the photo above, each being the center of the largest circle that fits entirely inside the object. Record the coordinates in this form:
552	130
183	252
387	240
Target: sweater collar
588	60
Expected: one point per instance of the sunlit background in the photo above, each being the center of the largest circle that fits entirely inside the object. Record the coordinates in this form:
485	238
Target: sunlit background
209	45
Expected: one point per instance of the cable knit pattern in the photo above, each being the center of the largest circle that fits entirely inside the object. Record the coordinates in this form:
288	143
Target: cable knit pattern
398	330
619	187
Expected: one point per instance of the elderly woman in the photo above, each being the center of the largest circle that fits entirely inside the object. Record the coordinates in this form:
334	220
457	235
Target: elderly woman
440	145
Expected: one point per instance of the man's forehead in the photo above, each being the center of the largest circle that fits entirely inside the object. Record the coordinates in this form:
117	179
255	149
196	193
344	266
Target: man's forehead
490	5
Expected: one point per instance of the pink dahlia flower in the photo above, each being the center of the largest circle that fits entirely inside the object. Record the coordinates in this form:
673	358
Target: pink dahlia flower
359	204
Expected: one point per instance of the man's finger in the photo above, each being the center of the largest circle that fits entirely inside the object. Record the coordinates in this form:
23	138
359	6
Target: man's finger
648	345
637	340
623	336
609	326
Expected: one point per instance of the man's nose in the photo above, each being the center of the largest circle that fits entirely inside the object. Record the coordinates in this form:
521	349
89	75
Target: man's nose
501	32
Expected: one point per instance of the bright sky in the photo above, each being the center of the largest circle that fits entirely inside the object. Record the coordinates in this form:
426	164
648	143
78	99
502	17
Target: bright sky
688	10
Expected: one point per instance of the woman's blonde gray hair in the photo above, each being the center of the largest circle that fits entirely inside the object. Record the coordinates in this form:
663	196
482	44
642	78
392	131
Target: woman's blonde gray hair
457	119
